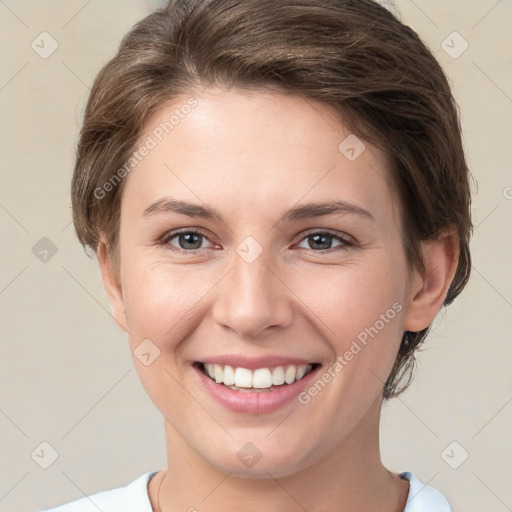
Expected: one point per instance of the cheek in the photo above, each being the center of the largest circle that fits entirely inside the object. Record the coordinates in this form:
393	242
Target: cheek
163	305
161	300
354	297
361	311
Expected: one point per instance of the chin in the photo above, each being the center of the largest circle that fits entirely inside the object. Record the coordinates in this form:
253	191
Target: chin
253	463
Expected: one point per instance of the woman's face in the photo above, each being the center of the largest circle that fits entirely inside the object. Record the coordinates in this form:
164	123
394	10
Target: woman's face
263	277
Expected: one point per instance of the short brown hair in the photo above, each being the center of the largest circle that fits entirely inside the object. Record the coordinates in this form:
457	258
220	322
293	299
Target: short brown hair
353	55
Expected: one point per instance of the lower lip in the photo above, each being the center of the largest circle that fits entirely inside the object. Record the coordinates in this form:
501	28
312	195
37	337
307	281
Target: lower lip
254	402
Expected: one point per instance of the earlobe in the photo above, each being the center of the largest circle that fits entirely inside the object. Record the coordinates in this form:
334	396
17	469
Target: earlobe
112	286
428	290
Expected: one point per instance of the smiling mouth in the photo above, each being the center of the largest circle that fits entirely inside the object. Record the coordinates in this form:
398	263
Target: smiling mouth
258	380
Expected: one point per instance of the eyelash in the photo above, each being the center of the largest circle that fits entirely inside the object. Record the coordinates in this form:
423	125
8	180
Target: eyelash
340	237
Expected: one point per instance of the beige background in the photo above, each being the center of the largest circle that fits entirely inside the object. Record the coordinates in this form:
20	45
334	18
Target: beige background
67	375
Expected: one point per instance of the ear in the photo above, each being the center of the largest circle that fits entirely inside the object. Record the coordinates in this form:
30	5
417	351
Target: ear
429	289
112	286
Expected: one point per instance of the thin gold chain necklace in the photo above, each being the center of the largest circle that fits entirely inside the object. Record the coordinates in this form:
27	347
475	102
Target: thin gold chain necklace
158	493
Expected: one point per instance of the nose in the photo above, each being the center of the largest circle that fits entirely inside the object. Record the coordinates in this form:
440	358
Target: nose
253	297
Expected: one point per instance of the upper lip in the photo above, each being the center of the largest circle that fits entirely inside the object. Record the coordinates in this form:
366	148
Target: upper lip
253	363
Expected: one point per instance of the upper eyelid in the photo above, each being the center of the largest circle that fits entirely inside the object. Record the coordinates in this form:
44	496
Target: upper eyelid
169	235
324	231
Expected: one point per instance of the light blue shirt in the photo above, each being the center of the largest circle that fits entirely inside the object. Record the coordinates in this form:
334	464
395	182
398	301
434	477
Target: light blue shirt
134	498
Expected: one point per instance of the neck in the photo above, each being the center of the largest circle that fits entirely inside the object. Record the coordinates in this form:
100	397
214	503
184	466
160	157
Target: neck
350	478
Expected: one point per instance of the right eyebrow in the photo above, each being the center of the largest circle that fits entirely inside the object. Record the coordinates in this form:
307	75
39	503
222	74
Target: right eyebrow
168	204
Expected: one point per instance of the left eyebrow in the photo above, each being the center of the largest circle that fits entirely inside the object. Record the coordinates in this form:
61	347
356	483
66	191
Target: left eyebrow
327	208
309	210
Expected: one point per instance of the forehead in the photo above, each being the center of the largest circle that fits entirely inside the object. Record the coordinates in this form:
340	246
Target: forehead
255	152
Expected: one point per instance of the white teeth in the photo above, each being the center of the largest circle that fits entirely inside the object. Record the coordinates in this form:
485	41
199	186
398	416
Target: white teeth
218	373
209	369
301	371
229	376
278	376
243	378
261	378
290	374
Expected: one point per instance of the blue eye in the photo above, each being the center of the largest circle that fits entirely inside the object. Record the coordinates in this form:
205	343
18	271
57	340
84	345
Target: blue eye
187	239
322	241
190	240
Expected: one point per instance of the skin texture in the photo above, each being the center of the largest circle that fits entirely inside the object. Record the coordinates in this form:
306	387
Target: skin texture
252	156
